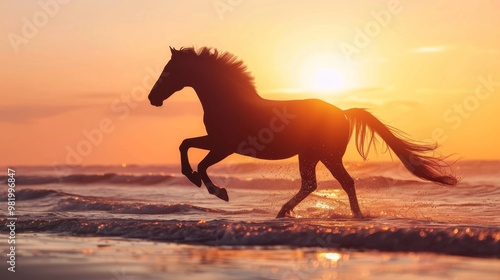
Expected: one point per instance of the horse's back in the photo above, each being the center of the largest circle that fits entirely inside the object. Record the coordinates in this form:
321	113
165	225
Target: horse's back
281	129
318	120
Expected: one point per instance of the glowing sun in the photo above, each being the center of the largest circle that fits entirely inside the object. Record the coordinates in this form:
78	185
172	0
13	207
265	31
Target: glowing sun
327	79
321	74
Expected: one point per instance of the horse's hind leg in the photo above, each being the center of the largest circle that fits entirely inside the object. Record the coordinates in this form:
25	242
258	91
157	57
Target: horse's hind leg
338	171
307	166
203	142
213	157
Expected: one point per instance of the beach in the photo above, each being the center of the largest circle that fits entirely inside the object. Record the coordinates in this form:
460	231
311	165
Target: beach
52	256
148	222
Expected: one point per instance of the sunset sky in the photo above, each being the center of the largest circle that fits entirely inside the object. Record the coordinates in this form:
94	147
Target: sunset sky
429	68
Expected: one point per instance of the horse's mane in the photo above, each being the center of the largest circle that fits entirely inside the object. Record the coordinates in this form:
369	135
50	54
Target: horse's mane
224	60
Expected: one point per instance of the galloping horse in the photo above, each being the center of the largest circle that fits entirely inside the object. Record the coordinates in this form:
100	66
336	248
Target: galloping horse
238	120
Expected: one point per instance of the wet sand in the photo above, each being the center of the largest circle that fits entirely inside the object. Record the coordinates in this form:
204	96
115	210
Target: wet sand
49	256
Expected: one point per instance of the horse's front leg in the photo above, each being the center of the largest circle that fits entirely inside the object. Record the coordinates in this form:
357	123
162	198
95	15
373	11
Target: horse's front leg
202	142
214	156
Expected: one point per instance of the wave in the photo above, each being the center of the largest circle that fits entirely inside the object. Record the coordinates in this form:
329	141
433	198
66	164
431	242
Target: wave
110	178
455	240
82	203
27	194
485	172
236	182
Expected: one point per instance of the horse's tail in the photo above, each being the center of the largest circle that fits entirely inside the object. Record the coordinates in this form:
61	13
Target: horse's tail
412	154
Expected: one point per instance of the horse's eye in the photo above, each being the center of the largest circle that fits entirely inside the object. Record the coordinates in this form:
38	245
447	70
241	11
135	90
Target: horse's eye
165	74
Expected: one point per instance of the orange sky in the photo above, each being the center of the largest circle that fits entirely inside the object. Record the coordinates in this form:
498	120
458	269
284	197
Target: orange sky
430	68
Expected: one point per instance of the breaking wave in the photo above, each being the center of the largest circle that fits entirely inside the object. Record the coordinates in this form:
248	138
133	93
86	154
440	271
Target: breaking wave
80	203
27	194
109	178
455	240
123	179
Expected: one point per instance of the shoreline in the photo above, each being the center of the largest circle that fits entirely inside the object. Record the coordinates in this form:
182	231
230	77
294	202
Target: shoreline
53	256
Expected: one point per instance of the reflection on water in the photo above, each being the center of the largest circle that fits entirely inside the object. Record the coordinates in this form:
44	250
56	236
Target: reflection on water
120	259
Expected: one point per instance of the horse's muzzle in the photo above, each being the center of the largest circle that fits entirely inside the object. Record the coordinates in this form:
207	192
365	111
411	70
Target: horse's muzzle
156	103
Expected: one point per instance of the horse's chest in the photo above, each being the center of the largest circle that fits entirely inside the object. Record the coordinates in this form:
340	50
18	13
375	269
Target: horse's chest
218	123
231	126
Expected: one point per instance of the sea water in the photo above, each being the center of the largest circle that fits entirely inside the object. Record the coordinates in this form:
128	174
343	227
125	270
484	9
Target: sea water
402	214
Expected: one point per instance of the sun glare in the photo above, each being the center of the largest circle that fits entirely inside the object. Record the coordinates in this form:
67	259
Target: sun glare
327	79
333	256
323	73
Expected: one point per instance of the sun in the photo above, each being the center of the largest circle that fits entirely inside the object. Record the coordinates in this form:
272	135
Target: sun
323	73
327	79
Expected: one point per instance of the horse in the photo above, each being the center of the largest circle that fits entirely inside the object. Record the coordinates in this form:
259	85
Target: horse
238	120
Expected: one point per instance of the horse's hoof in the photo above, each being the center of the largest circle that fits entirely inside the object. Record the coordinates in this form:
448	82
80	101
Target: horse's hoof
358	216
222	194
284	214
195	178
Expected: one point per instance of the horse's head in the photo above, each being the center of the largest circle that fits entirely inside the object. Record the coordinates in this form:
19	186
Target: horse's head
171	80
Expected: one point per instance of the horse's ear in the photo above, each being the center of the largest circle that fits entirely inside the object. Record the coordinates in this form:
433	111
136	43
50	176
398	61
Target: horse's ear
172	50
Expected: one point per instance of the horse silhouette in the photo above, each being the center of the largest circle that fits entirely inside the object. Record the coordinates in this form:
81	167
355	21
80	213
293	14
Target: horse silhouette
238	120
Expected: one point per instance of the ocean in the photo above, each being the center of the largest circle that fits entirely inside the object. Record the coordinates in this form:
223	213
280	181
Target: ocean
152	215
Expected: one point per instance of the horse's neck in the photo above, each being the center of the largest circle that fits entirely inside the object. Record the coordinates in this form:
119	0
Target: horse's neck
220	96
